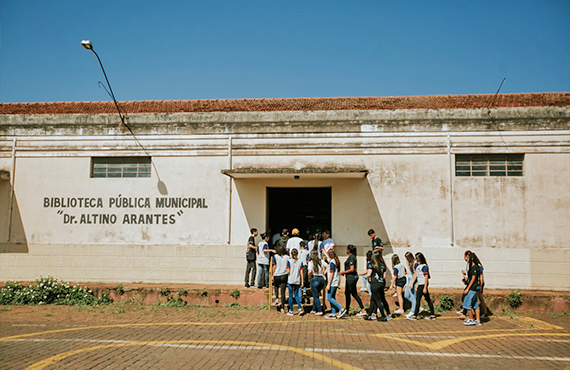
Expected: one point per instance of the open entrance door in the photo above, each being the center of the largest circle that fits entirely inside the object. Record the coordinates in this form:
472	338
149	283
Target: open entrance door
307	209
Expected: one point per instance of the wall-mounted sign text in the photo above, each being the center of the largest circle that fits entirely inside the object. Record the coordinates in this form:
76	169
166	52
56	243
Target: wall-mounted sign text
96	207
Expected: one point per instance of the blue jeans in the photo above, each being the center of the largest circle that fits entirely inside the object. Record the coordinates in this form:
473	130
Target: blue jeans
294	291
335	306
470	300
263	268
410	295
317	284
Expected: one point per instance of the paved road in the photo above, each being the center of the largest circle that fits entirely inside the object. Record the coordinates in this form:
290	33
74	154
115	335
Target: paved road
144	337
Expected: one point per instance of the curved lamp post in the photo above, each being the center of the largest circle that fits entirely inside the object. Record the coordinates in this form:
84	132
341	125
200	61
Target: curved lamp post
89	46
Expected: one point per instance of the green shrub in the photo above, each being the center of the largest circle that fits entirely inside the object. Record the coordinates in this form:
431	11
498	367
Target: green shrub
446	302
235	293
175	302
119	289
515	299
49	290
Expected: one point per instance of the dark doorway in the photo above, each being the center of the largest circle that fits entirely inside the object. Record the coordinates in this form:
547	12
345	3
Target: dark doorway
307	209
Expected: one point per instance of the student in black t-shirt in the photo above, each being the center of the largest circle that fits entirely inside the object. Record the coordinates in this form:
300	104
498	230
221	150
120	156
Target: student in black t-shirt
473	286
351	279
251	256
377	279
376	241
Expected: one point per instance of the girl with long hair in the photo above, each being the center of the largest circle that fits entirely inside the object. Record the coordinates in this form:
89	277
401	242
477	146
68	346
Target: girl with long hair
333	282
280	276
410	291
295	280
315	268
365	273
351	280
398	282
377	280
473	286
422	277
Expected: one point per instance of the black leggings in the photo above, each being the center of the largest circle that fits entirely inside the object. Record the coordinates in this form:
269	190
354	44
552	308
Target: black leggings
419	294
280	283
378	299
350	290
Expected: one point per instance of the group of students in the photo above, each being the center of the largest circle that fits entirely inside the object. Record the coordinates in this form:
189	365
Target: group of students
298	266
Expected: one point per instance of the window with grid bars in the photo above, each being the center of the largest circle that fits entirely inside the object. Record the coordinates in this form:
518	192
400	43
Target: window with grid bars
120	166
489	165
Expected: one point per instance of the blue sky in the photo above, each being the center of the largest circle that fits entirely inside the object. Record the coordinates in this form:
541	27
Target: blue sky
172	50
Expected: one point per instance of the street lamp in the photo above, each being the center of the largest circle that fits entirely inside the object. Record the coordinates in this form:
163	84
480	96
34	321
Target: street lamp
89	46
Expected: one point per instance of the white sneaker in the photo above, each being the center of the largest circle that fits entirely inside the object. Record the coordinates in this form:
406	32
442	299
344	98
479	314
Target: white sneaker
342	313
469	322
411	317
330	316
477	323
361	314
395	295
388	317
399	312
363	289
290	313
421	309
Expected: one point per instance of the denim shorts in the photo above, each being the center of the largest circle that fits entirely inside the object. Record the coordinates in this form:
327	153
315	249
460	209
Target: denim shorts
470	301
401	282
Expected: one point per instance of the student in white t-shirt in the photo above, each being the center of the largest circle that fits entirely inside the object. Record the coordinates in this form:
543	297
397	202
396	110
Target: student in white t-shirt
315	243
294	241
263	260
316	268
422	277
295	270
280	276
398	282
327	244
333	282
304	257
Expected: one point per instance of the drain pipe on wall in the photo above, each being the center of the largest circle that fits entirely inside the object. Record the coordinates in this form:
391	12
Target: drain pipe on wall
451	226
230	181
12	178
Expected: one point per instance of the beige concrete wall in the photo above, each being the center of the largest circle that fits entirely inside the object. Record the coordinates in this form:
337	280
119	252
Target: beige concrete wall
65	178
222	264
404	197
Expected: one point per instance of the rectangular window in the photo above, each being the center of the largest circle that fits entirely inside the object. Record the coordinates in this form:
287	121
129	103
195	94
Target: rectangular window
489	165
120	166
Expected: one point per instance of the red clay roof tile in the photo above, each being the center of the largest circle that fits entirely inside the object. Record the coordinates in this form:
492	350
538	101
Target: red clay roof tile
561	99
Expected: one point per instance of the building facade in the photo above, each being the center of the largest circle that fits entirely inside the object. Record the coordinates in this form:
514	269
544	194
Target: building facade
83	199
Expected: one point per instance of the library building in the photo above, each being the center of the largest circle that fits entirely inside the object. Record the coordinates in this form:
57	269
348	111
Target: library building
170	195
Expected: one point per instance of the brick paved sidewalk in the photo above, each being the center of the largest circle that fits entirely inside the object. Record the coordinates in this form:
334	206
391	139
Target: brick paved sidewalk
149	336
